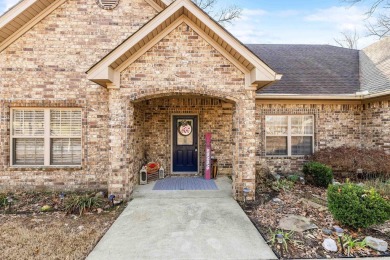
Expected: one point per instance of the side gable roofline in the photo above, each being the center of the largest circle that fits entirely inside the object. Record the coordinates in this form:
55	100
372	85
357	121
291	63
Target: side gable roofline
22	17
107	71
26	13
159	5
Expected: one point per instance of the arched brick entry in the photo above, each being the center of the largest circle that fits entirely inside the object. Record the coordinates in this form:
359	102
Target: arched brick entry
128	144
182	64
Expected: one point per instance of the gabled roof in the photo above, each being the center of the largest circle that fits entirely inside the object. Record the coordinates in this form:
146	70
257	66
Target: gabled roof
26	13
107	71
159	5
311	69
23	16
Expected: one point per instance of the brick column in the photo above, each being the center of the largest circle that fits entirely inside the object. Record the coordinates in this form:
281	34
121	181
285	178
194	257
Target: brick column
118	181
245	146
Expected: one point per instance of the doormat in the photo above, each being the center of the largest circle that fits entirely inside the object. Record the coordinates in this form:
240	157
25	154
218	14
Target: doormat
185	183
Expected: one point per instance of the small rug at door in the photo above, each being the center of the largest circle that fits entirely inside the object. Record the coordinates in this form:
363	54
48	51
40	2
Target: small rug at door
185	183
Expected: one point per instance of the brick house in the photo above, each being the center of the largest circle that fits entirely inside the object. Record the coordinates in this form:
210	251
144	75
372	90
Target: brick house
91	90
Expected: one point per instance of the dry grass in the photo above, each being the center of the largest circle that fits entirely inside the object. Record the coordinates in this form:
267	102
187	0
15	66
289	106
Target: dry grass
52	235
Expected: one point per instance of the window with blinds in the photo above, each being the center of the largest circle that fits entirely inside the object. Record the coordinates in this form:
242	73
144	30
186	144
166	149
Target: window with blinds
289	135
46	137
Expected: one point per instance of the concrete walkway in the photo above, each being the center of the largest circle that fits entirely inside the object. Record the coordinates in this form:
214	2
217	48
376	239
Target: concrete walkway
182	225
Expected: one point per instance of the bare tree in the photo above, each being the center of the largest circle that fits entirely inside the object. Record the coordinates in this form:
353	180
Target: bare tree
223	15
380	9
348	39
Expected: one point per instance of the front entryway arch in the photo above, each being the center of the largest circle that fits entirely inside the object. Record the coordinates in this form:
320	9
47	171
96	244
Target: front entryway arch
148	135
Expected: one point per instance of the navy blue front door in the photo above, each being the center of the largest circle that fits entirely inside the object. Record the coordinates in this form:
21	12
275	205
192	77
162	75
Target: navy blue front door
185	144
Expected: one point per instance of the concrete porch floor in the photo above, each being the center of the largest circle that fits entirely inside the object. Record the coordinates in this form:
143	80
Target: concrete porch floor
182	225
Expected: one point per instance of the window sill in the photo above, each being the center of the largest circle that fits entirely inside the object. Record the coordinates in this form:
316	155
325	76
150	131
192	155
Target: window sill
285	156
43	168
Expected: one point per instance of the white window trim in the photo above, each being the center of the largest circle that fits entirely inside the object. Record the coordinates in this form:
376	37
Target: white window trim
47	138
289	135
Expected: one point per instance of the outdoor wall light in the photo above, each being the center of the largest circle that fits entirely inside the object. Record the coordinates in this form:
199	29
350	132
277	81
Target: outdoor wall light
340	233
246	192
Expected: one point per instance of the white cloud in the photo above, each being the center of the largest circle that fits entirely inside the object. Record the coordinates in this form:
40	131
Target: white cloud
342	18
300	27
288	13
246	28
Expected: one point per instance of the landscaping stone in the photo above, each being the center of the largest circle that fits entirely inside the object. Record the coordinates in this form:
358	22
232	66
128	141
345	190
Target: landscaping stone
296	223
330	245
376	243
276	200
327	231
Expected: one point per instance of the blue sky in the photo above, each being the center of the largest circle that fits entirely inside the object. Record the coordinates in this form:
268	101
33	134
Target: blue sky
290	21
299	21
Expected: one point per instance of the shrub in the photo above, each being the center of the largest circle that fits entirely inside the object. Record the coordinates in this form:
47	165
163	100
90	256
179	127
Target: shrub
318	174
356	206
79	204
344	159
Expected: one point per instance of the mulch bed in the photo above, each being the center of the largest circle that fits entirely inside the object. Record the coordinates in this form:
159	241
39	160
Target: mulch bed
28	233
266	213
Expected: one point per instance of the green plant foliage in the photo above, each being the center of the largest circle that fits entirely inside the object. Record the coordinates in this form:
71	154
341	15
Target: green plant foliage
381	186
351	244
294	178
356	206
3	200
282	184
318	174
287	236
79	204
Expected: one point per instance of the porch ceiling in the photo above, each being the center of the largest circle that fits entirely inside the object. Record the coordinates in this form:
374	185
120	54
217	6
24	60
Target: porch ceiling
107	71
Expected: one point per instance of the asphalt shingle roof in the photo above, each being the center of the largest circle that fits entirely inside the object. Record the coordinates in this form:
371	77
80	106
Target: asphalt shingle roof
310	69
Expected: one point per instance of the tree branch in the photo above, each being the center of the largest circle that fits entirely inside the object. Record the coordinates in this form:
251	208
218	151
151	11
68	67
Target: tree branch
381	10
221	15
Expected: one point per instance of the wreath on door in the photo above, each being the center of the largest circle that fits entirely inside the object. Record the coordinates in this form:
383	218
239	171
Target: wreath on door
185	128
